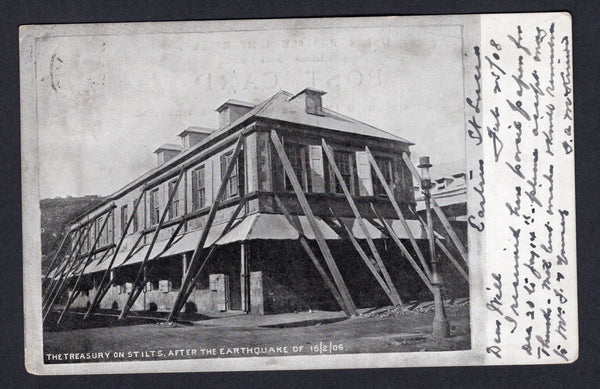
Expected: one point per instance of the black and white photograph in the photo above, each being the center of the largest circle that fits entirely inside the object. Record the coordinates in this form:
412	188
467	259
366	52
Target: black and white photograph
293	193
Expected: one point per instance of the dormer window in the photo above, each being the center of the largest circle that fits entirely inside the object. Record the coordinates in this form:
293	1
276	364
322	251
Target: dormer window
231	110
311	99
166	152
191	136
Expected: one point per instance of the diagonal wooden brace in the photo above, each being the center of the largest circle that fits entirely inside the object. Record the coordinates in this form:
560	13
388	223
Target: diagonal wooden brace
87	262
303	241
438	211
64	277
56	256
228	227
100	295
396	207
396	299
130	301
396	240
366	259
447	252
195	261
349	308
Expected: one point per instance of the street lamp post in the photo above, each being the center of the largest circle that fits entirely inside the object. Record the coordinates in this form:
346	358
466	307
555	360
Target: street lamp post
441	327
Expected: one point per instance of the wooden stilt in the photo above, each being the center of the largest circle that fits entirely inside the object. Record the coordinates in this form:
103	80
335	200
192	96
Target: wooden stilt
396	299
350	308
56	256
396	207
447	252
85	265
66	267
61	266
99	296
64	277
366	259
303	241
396	240
459	246
195	262
228	227
138	277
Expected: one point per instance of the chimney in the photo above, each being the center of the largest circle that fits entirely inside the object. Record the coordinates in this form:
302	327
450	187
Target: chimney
310	98
231	110
193	135
166	152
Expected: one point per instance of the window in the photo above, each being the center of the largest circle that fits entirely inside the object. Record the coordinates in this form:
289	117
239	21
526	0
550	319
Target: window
174	208
233	184
123	219
110	228
342	160
199	188
154	207
104	233
385	165
135	221
297	156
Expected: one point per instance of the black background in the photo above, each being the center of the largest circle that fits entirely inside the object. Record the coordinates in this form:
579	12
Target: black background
583	373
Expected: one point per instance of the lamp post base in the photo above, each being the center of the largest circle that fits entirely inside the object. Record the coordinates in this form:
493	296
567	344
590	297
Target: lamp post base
441	328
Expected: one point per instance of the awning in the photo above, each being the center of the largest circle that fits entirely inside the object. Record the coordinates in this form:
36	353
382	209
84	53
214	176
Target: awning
260	227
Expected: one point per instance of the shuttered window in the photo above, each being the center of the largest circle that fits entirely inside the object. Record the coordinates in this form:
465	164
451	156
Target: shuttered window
123	219
297	156
317	173
174	208
385	165
342	160
233	183
363	171
135	220
154	207
199	188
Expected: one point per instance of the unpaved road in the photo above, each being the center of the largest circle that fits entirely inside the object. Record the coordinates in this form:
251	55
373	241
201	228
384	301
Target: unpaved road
407	332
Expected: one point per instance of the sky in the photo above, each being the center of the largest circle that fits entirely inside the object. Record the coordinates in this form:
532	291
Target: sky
106	102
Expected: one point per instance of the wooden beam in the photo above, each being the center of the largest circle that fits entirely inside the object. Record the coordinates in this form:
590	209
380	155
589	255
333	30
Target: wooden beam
366	259
60	266
65	276
303	241
396	299
86	263
228	226
130	301
195	261
98	297
396	240
350	308
438	211
447	252
94	218
396	207
68	264
56	255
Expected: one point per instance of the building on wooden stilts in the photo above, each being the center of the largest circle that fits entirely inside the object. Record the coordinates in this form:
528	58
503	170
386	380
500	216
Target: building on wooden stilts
288	206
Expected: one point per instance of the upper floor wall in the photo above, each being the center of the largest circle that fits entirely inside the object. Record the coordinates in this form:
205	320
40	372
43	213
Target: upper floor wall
258	170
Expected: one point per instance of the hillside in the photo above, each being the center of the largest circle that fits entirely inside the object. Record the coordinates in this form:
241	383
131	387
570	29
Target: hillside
56	213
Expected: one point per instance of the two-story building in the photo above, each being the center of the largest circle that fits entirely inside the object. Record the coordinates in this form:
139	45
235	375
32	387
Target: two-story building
258	264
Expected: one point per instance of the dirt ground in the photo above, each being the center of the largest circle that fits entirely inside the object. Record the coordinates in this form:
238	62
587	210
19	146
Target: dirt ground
384	330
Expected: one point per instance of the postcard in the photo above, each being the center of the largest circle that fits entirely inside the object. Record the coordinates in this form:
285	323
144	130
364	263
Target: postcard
298	194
